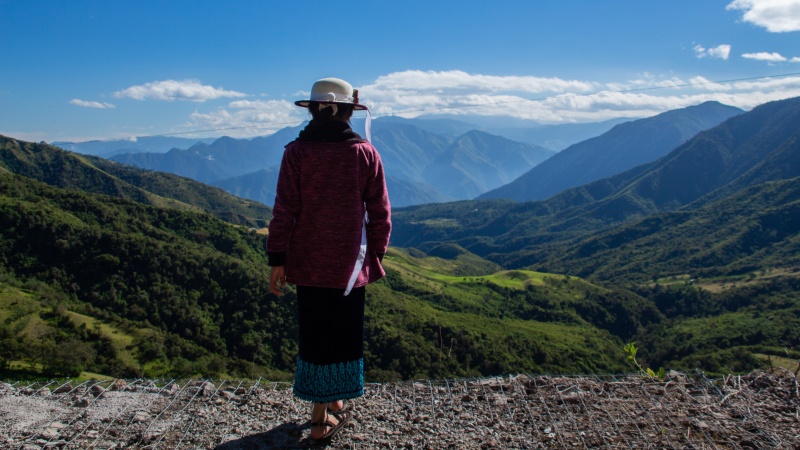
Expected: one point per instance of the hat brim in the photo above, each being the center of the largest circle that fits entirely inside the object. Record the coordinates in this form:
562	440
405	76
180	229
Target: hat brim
356	106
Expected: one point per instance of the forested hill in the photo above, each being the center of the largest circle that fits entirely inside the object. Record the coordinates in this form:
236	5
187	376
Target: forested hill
757	147
60	168
108	285
92	282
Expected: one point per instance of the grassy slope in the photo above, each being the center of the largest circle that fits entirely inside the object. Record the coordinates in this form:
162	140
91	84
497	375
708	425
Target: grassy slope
489	324
22	313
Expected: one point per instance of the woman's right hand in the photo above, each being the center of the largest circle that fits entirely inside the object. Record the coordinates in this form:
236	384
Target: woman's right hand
277	274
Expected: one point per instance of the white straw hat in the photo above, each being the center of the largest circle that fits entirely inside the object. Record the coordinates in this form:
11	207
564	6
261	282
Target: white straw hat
333	90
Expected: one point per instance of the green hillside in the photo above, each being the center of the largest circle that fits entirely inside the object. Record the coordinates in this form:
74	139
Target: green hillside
753	230
503	322
716	171
137	272
156	291
56	167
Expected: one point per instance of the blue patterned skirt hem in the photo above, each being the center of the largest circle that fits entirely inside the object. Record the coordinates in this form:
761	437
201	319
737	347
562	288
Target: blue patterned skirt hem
329	382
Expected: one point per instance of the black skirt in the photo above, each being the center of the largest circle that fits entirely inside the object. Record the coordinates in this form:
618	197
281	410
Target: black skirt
330	365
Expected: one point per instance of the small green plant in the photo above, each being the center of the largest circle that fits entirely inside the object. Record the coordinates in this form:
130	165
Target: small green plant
630	349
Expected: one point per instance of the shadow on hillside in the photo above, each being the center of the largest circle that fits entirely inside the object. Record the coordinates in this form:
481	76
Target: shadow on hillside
287	435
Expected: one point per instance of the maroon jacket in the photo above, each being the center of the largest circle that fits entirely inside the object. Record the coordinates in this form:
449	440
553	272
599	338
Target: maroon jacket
324	189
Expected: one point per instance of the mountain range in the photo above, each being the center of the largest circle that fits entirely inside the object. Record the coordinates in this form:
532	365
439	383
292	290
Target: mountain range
111	147
625	146
424	166
135	273
56	167
747	163
440	160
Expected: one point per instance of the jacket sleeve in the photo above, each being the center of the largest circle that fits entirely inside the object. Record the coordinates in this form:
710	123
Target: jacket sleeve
376	199
285	210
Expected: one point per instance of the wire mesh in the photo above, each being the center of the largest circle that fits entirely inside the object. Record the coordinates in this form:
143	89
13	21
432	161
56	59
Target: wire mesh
758	410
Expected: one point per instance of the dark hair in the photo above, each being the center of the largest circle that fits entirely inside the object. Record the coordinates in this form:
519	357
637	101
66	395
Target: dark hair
344	111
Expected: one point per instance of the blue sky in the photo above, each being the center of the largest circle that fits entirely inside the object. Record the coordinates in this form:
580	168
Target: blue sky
79	70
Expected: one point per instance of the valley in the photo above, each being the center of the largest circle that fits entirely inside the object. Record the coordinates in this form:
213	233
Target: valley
692	255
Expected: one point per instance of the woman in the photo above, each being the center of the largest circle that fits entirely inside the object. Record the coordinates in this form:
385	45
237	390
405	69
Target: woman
329	232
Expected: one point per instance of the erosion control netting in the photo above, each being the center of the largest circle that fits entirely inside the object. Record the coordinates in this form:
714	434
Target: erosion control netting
755	411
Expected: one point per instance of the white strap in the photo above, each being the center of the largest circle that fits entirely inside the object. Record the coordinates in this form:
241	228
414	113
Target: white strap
368	126
331	97
362	254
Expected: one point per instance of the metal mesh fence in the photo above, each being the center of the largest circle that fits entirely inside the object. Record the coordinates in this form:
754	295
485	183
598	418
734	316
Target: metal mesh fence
755	411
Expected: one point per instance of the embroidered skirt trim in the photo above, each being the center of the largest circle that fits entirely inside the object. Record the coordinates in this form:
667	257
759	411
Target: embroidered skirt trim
329	382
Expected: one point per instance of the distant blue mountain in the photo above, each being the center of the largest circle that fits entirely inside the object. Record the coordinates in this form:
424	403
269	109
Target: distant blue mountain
224	158
625	146
154	144
553	137
426	159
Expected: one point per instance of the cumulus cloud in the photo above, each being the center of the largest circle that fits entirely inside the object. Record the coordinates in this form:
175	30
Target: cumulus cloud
544	100
765	56
170	90
721	51
456	80
553	100
426	90
777	16
90	104
248	118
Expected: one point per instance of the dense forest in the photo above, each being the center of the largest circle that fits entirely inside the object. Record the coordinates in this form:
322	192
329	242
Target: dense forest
190	294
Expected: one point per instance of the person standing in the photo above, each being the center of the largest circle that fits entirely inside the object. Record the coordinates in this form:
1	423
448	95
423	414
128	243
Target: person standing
330	229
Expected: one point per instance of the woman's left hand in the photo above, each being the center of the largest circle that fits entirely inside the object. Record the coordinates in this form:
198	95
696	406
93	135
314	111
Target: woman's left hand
277	274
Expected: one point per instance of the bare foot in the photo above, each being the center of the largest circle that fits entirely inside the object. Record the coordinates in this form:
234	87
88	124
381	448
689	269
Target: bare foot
337	405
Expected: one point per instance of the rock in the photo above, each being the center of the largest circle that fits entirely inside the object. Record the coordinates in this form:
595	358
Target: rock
64	388
97	390
676	376
49	433
206	388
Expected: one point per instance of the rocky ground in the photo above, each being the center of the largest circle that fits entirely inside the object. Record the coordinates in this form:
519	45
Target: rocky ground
755	411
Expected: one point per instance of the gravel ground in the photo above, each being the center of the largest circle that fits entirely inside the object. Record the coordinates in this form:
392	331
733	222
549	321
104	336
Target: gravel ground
755	411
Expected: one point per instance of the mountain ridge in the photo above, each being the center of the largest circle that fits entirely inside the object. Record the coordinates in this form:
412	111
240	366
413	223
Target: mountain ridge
522	234
625	146
61	168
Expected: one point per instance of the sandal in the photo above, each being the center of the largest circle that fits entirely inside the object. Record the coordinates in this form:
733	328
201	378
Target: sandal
342	416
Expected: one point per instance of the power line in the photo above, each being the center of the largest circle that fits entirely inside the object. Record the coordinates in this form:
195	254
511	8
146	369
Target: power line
477	105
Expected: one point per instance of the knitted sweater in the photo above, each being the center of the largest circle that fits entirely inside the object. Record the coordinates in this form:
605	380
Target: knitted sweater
329	179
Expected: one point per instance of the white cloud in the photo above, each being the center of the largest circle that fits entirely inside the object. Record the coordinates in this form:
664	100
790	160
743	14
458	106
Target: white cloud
544	100
247	118
89	104
765	56
456	80
776	16
721	51
171	90
796	59
550	100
